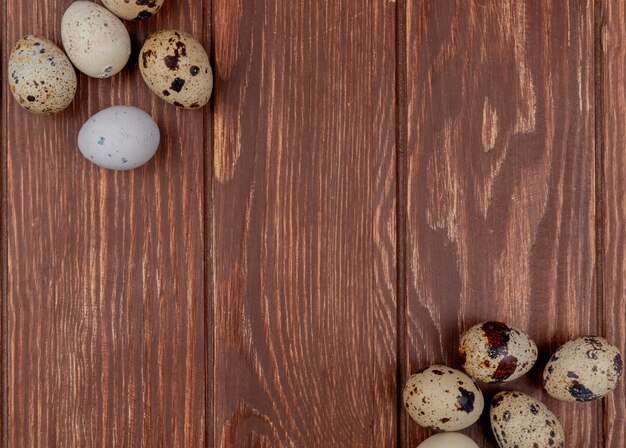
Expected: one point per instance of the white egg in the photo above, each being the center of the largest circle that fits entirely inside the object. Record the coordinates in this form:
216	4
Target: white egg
448	440
95	40
119	138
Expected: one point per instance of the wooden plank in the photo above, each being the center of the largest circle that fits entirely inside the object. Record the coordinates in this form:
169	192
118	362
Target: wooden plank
304	223
501	183
105	296
614	203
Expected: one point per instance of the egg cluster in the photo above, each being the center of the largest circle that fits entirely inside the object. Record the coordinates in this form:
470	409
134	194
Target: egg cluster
445	399
173	64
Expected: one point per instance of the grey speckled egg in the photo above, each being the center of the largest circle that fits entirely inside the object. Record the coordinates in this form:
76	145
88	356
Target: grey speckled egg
119	138
95	40
448	440
176	67
520	421
133	9
41	77
584	369
493	352
443	399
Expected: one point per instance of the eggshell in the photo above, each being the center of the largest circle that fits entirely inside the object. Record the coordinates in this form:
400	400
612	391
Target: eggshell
520	421
41	77
133	9
584	369
443	399
95	40
119	138
448	440
176	67
493	352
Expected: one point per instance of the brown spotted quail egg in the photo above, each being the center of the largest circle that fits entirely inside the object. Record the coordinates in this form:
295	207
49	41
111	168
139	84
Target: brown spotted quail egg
584	369
443	399
493	352
176	67
133	9
520	421
95	40
448	440
41	77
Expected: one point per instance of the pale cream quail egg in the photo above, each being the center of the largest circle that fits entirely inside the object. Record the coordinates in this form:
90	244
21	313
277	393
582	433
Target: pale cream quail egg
95	40
176	67
41	77
494	352
133	9
443	398
520	421
584	369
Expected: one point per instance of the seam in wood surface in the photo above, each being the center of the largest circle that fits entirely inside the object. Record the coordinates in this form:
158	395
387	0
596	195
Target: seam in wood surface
401	208
599	11
3	249
209	280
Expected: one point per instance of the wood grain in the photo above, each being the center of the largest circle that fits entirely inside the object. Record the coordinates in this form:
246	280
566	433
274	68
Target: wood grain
247	288
501	192
304	223
614	202
105	294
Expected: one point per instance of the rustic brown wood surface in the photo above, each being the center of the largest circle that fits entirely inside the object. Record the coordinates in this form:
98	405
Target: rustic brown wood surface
304	223
501	164
371	178
105	304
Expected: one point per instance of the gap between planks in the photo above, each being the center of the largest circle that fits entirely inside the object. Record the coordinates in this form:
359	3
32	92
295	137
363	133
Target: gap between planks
599	77
401	216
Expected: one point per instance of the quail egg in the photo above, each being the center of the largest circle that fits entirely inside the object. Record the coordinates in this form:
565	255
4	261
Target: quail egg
493	352
448	440
119	138
133	9
176	67
443	399
584	369
520	421
95	40
41	77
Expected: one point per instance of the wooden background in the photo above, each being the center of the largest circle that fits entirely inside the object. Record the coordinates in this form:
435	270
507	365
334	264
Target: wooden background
372	178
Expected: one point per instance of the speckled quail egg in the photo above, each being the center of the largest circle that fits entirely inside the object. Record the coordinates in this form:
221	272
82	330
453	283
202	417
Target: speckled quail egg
584	369
520	421
493	352
176	67
95	40
133	9
448	440
119	138
443	399
41	77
